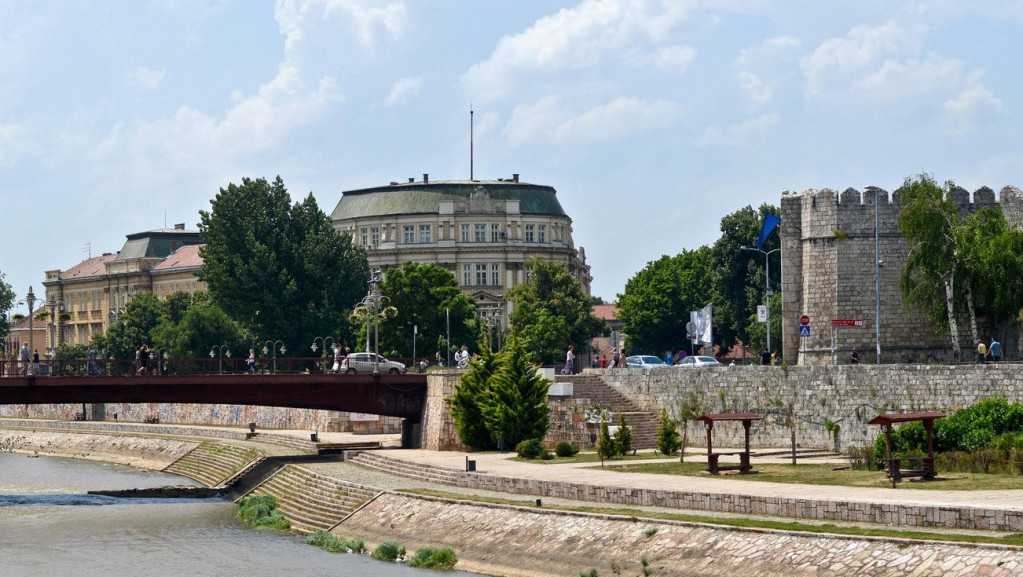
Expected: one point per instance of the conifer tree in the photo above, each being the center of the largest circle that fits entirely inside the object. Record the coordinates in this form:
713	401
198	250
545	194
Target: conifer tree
517	406
623	436
605	444
668	439
472	394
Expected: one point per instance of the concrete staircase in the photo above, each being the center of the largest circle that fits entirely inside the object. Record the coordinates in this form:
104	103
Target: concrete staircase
644	424
312	501
404	468
214	464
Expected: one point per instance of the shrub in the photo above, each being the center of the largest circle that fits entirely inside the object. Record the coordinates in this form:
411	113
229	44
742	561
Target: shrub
668	440
430	558
566	449
261	512
623	436
606	446
530	448
387	551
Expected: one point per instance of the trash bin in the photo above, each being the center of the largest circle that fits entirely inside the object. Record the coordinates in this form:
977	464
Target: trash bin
314	437
470	465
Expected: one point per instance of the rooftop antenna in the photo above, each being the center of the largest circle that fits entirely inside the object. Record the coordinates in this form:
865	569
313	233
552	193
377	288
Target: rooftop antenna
87	248
471	174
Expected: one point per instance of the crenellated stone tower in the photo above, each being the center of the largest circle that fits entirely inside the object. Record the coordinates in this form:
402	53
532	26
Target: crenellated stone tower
828	273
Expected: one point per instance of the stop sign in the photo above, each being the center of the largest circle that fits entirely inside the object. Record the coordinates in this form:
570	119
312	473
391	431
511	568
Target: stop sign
804	320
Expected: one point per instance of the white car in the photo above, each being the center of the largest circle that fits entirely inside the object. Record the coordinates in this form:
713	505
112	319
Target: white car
698	361
644	362
363	363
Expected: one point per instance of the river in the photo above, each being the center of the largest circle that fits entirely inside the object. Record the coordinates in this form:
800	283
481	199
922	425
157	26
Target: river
50	526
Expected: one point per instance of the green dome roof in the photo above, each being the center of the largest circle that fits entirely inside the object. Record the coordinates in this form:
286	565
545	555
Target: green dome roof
425	198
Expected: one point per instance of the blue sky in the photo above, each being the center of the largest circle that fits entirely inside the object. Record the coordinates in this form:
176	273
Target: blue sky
652	119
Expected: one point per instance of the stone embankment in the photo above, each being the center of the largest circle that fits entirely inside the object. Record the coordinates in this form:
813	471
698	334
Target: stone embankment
529	541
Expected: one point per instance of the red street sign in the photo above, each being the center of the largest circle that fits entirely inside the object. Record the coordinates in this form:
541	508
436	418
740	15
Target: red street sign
846	323
804	320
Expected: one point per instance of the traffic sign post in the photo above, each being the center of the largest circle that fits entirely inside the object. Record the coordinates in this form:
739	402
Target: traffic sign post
804	331
804	320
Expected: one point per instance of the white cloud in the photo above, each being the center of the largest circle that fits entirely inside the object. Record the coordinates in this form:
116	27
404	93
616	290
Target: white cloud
974	105
144	78
366	19
581	38
675	58
549	120
740	135
763	69
403	90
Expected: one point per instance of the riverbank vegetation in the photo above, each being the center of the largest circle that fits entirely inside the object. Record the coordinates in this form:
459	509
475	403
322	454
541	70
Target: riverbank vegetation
261	512
333	544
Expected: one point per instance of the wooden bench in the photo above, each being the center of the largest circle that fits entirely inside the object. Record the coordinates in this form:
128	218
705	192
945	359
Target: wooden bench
924	466
714	467
152	419
79	416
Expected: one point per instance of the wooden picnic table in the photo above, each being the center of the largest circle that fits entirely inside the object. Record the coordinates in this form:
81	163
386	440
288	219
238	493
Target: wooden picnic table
923	466
713	465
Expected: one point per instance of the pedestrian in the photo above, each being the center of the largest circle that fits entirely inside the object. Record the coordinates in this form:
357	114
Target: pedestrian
603	361
569	362
774	358
981	352
251	361
765	357
616	358
854	357
138	358
595	363
143	356
35	362
90	366
681	354
25	357
995	350
337	359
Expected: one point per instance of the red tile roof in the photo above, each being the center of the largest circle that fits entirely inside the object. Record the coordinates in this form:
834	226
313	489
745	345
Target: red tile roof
606	312
185	257
90	268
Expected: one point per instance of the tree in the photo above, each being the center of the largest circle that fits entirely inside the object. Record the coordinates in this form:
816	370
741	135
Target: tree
668	440
516	409
623	436
133	328
7	297
655	306
473	393
606	447
425	296
552	311
929	220
283	261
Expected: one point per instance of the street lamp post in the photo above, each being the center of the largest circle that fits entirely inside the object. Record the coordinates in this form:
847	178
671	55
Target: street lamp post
767	285
269	346
323	342
55	306
877	273
221	351
30	301
372	304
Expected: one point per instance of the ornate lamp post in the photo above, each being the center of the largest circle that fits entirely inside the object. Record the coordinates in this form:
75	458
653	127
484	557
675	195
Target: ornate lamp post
57	308
323	342
221	351
371	310
30	301
271	346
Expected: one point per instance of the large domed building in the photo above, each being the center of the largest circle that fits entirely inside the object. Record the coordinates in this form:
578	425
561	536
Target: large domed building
480	230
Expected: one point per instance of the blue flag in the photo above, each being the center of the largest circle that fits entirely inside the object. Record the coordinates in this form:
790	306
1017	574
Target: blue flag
770	223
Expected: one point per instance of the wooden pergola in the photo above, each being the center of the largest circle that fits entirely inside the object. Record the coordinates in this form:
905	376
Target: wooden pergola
925	465
747	419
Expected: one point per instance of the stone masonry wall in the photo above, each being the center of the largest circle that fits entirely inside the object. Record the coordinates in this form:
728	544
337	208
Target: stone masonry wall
828	273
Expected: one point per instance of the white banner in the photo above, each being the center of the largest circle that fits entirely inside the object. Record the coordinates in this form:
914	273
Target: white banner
702	322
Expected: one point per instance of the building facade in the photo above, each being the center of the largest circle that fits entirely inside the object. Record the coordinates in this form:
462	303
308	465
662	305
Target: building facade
87	298
481	231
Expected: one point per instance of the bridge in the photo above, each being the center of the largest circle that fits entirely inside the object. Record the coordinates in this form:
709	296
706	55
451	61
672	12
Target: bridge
401	396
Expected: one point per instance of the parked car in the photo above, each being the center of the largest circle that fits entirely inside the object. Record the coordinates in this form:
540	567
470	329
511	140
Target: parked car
645	362
698	361
363	363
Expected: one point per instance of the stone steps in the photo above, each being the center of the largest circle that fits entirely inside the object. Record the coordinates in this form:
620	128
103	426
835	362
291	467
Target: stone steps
212	463
312	501
404	468
644	423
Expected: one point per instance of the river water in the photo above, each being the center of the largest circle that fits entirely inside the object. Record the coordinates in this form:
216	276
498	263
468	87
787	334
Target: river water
50	526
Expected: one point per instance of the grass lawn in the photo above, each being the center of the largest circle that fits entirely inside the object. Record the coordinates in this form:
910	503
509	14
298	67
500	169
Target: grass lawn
824	474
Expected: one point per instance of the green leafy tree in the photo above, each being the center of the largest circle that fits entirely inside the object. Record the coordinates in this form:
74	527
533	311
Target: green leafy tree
668	439
517	407
623	436
930	221
133	328
285	261
7	297
70	359
424	296
201	327
552	311
655	306
473	393
606	447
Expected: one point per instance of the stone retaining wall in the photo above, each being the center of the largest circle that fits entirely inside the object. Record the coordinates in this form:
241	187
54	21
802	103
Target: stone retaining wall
521	542
145	452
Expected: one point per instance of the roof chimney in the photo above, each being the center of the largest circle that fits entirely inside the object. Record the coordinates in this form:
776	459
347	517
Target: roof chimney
515	177
179	226
411	179
426	178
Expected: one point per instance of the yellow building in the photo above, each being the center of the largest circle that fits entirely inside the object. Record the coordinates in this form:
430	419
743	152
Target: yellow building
87	298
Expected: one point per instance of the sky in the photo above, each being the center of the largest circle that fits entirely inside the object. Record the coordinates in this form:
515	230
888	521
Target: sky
652	119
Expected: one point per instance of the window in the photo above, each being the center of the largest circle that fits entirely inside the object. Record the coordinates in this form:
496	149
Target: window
465	233
466	275
374	234
365	237
530	232
495	274
408	233
480	233
495	232
425	233
481	274
541	233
